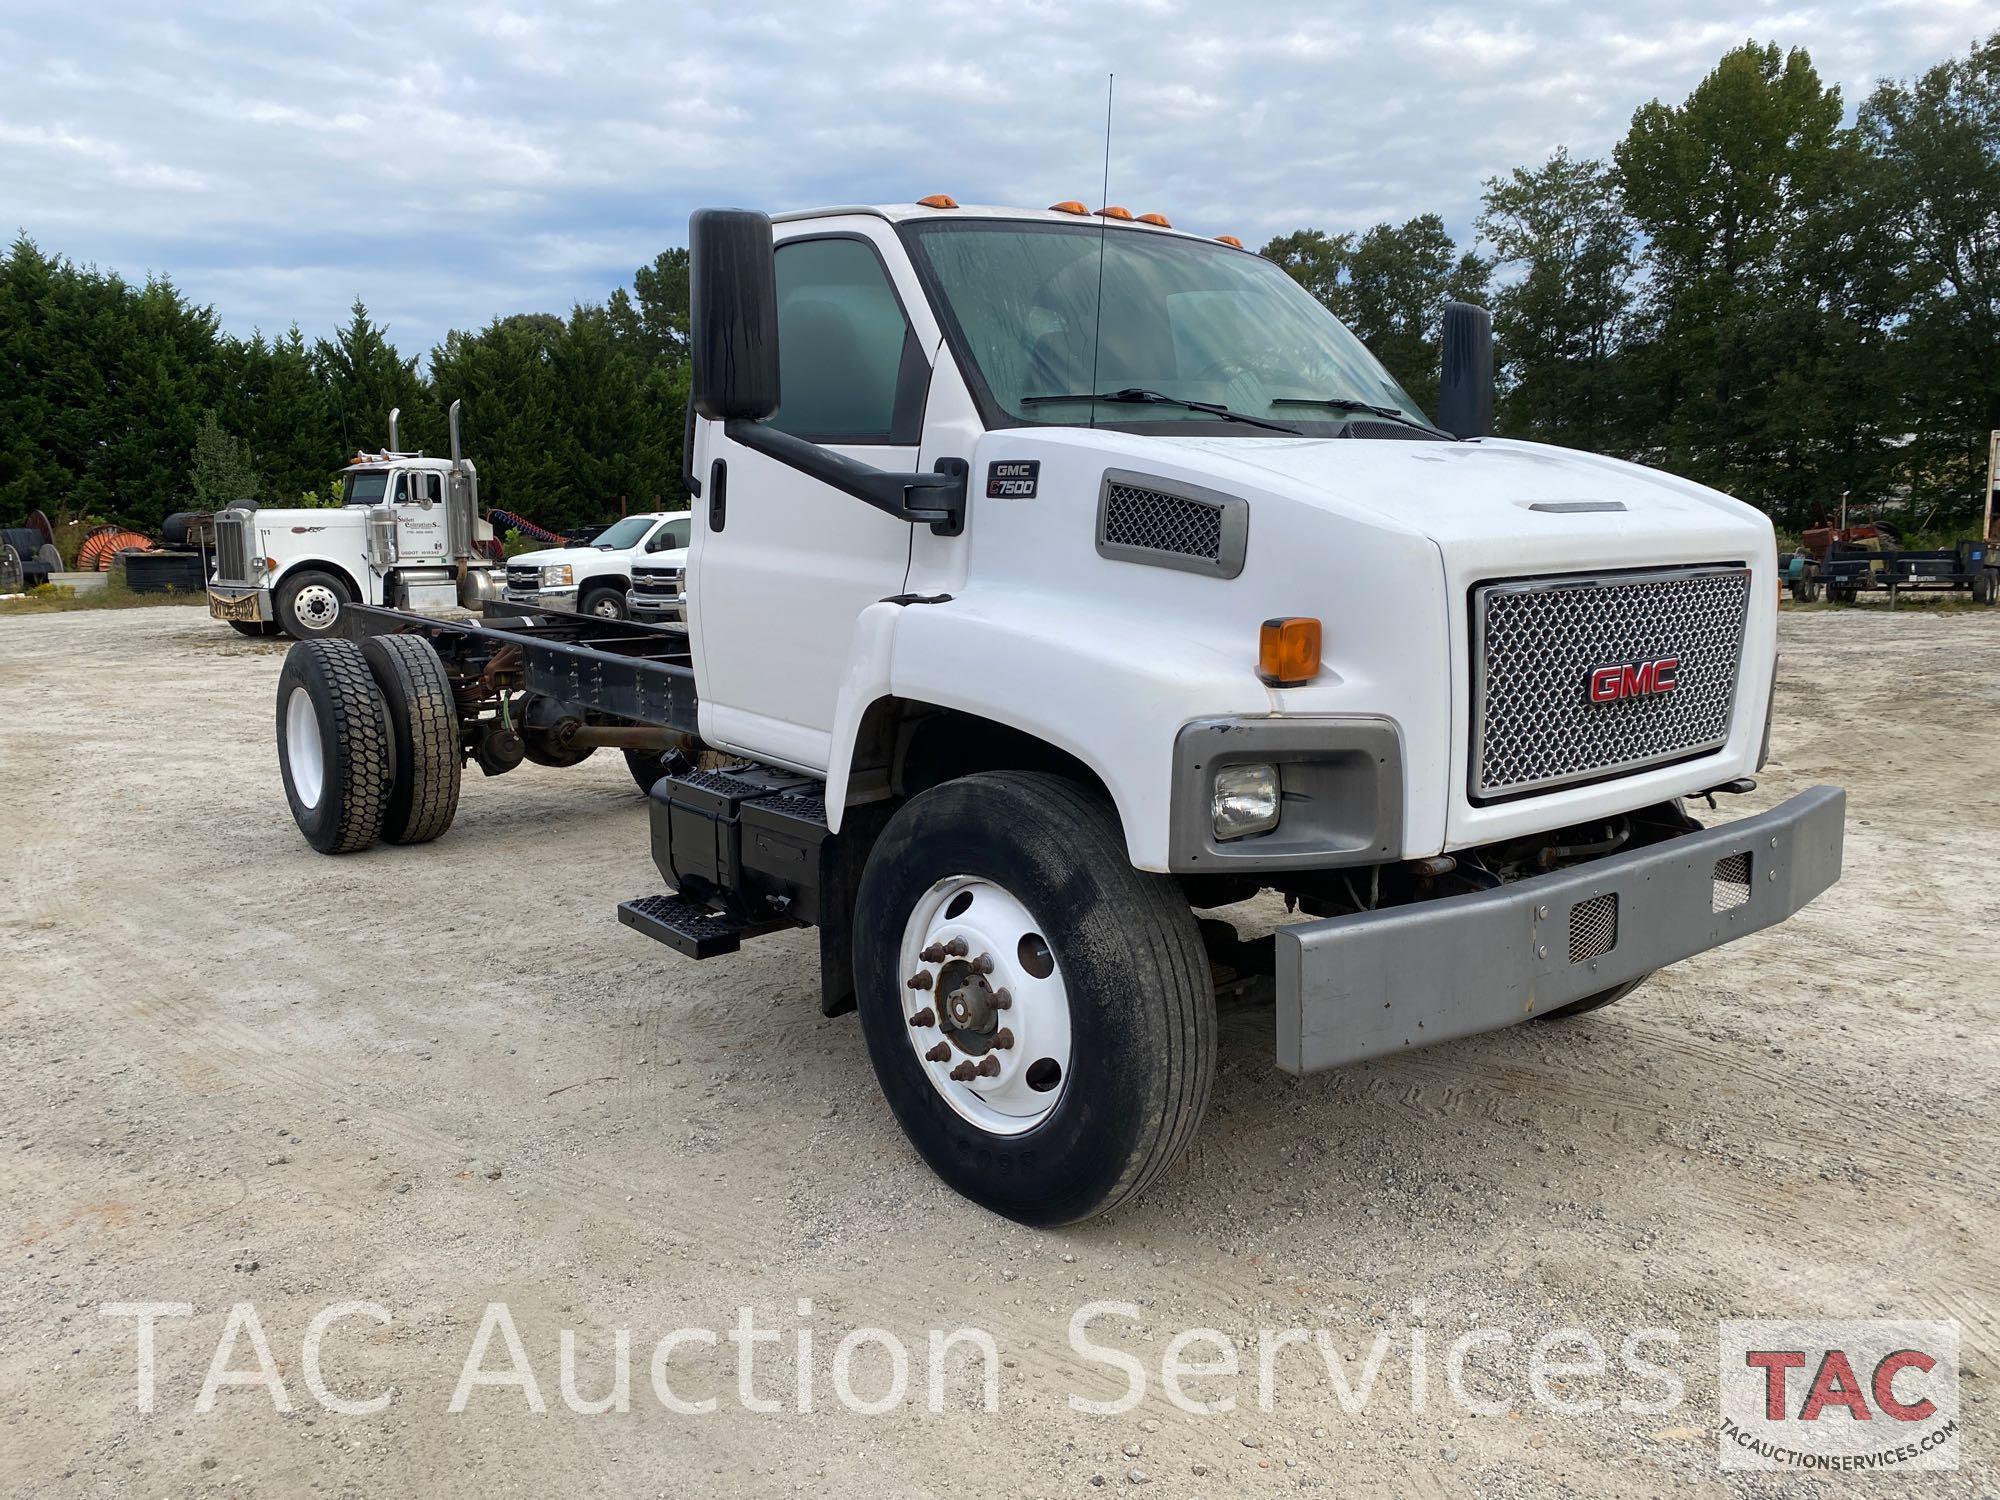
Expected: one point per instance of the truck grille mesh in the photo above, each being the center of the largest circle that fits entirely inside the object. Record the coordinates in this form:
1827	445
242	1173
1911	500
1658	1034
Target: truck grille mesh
1158	522
1536	645
232	550
529	577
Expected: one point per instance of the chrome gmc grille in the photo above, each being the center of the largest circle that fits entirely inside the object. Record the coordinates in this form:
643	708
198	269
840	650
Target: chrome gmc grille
1537	644
232	549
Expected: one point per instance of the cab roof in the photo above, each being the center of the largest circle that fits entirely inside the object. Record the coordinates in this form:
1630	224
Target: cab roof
384	459
897	213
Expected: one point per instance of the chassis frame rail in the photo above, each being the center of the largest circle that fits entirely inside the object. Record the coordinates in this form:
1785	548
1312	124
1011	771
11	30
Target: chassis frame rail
621	668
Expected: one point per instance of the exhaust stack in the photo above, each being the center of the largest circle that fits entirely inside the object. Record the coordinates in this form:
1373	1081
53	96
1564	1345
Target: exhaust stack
457	453
394	412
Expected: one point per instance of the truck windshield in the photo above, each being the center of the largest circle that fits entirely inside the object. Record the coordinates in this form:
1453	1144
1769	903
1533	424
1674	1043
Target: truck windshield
1193	320
626	533
364	489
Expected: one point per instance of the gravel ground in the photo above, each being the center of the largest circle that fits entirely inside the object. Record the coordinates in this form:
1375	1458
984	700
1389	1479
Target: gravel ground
238	1072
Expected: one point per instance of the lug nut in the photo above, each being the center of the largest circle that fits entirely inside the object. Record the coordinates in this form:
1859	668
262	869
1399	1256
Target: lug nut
1002	1000
938	1053
924	1017
933	954
921	980
1003	1038
983	964
963	1073
989	1066
956	948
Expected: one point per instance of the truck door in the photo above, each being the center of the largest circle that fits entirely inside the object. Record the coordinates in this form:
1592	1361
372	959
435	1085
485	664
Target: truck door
782	564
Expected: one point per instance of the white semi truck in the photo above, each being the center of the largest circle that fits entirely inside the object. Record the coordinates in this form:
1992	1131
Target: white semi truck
1057	576
408	532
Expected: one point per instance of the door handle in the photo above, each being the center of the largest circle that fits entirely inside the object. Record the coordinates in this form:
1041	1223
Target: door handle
718	494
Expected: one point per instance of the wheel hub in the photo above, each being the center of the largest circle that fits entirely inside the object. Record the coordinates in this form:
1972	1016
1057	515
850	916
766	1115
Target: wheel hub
316	606
987	1007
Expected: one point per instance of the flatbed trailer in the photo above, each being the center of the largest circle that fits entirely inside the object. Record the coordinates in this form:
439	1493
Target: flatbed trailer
1845	572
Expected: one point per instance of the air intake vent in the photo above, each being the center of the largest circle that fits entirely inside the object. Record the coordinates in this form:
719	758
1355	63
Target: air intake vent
1593	927
1167	524
1393	432
1731	887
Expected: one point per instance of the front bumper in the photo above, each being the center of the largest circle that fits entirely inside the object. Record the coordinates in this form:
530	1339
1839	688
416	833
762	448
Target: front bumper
647	607
1374	983
246	603
564	599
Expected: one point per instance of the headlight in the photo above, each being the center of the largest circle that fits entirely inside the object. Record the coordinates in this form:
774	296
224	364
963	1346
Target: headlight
556	576
1246	800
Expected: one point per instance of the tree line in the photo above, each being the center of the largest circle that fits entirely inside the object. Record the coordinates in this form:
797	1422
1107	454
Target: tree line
125	401
1747	290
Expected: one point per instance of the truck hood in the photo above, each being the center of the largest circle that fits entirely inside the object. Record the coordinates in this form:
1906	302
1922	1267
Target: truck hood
1515	501
549	557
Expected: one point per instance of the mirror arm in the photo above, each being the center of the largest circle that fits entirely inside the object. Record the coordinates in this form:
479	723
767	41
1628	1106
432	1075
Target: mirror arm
937	498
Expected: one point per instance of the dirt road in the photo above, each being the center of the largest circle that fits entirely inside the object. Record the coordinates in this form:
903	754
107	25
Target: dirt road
233	1071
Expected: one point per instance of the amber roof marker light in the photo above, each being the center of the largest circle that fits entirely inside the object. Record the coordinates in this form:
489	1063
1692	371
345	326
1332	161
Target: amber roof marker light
1069	206
938	200
1113	211
1159	219
1230	240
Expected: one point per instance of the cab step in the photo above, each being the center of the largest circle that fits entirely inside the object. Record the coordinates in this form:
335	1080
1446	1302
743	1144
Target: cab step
688	928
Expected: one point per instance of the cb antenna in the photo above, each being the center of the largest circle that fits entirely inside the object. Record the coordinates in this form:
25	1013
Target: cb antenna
1097	332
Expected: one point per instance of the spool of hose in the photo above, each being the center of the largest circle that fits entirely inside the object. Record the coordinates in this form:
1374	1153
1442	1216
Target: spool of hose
104	544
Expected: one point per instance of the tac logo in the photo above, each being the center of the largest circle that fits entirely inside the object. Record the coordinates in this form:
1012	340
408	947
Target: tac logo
1839	1396
1639	679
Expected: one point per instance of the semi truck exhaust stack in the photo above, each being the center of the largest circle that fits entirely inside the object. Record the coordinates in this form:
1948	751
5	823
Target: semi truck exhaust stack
394	412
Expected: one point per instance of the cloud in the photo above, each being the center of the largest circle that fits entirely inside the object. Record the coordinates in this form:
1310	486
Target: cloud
450	164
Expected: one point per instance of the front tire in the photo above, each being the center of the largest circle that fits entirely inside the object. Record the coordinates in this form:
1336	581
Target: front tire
1109	1000
309	603
333	745
423	733
1590	1003
604	603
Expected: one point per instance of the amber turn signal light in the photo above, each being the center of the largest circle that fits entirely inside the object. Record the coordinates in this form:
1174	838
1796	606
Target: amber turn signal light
1288	651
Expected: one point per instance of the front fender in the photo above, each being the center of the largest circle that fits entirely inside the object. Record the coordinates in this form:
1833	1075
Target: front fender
1086	681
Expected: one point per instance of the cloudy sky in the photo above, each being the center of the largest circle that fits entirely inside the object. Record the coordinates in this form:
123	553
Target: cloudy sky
448	163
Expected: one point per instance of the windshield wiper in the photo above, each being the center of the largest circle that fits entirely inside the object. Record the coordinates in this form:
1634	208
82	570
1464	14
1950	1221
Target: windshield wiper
1137	396
1348	403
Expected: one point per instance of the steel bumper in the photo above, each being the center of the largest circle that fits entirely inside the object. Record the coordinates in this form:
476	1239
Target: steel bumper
251	603
1362	986
563	599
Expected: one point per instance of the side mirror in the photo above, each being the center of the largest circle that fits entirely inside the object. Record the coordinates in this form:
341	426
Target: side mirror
1465	391
733	302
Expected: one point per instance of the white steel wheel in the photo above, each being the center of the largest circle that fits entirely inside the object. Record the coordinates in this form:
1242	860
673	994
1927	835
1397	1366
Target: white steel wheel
989	1014
317	606
302	745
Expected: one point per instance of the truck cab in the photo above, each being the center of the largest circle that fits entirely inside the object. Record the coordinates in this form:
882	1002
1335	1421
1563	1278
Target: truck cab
407	533
597	577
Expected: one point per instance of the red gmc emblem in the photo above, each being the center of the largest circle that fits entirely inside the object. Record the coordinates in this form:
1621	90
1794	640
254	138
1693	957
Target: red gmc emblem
1644	679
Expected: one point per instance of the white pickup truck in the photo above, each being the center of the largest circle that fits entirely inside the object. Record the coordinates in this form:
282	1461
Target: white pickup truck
596	578
1032	632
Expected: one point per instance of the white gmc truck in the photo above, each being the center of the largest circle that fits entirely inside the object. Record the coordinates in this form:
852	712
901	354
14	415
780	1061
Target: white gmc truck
1056	576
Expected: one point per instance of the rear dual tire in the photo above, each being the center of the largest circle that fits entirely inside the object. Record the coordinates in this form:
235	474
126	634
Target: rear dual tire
367	742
